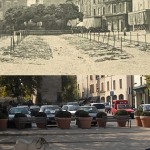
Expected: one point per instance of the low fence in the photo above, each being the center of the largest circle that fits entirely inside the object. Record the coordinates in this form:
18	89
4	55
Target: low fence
116	39
49	32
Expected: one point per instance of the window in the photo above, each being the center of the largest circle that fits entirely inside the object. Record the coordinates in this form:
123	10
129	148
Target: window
0	4
15	3
109	9
91	88
107	85
8	4
94	12
141	81
93	1
120	83
99	11
114	8
91	77
114	84
97	77
120	7
102	86
103	11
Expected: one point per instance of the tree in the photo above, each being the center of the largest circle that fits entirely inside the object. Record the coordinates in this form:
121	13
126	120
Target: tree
69	88
17	86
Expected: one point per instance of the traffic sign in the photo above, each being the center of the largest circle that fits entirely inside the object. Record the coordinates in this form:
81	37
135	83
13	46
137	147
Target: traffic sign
111	93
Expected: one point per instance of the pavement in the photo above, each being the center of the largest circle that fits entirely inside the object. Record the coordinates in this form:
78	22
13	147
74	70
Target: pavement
95	138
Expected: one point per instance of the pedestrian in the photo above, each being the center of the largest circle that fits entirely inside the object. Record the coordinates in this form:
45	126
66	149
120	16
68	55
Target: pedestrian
124	31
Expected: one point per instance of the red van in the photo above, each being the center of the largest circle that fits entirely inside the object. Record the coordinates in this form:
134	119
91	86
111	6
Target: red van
122	104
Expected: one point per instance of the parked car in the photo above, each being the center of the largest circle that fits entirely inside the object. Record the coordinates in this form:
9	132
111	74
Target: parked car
73	103
50	112
34	109
92	110
71	108
43	107
144	107
99	106
15	110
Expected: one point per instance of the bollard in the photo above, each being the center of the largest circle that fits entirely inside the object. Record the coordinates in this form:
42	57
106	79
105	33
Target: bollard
137	38
145	41
108	38
114	40
130	37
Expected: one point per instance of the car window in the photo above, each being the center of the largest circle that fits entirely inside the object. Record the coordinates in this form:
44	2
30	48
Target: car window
18	110
99	106
146	108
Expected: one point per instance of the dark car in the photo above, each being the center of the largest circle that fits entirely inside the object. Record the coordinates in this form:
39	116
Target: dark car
15	110
50	113
92	110
34	109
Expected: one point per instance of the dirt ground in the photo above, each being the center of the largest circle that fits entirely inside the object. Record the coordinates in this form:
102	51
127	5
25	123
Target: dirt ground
70	54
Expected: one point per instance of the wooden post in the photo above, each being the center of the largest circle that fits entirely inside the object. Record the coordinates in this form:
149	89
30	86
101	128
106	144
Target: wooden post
145	41
121	44
137	38
108	38
130	38
90	36
114	40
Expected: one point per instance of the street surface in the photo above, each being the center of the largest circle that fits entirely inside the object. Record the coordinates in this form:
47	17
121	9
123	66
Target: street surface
111	137
73	54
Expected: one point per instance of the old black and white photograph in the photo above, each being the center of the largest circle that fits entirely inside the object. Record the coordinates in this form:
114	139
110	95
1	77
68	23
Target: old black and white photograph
74	74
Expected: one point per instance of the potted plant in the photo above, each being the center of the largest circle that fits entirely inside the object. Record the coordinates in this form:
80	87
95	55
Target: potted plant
3	121
19	119
41	120
101	119
145	119
84	119
63	119
137	115
121	116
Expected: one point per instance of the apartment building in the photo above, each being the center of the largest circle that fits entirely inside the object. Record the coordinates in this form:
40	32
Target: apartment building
111	14
88	87
139	17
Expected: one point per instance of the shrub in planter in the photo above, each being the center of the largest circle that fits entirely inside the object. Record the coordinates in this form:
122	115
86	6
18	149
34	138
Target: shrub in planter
41	120
101	118
137	115
3	121
18	120
84	119
121	116
145	119
63	119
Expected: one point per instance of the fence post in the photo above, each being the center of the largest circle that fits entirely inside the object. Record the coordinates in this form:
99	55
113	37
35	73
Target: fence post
137	38
118	34
114	40
145	41
121	44
108	38
130	37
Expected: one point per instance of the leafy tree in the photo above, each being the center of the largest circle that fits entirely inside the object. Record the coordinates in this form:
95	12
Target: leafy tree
69	88
17	86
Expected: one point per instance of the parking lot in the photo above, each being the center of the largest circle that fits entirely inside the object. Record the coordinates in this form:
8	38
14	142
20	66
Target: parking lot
111	137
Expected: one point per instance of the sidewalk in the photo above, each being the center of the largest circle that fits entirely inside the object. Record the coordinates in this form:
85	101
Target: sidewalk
74	138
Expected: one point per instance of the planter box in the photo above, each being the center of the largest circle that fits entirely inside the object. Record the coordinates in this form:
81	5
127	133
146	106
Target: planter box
101	122
3	124
138	121
145	121
63	123
85	122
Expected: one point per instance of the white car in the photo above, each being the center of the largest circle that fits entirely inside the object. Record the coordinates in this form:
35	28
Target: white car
99	106
144	107
71	108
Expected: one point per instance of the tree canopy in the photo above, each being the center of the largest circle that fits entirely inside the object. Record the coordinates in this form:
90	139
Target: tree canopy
15	86
52	17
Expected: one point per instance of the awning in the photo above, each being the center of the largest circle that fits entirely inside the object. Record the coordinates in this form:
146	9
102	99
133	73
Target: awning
141	87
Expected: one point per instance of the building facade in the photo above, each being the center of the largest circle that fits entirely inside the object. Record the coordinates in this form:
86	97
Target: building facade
139	19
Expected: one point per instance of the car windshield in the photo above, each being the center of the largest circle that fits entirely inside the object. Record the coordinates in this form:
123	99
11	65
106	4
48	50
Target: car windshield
99	106
123	106
72	108
72	103
146	108
89	109
18	110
